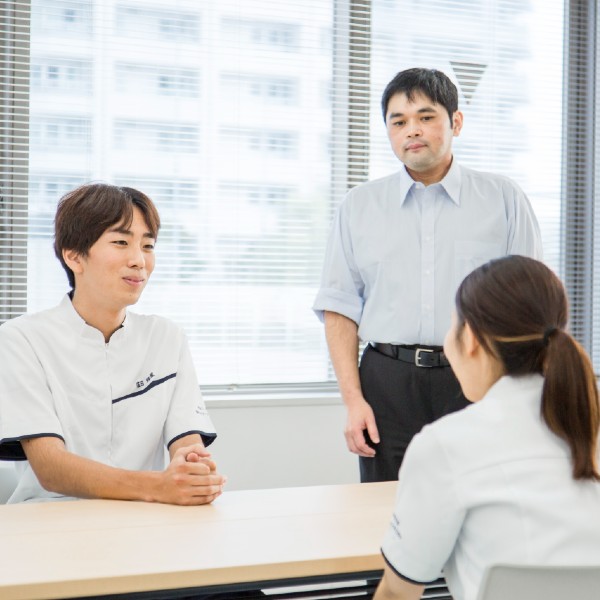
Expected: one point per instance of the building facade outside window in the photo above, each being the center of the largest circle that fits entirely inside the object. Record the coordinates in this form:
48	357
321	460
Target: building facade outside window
233	117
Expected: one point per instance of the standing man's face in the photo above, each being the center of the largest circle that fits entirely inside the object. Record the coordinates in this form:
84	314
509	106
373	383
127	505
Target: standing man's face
420	134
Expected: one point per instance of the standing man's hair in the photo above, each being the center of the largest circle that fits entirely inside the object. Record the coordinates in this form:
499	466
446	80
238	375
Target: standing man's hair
517	309
428	82
86	212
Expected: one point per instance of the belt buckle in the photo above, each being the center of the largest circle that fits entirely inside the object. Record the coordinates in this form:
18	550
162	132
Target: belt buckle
418	357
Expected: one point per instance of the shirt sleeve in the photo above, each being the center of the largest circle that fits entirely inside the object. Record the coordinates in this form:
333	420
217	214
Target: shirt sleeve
187	411
524	232
427	517
342	287
26	403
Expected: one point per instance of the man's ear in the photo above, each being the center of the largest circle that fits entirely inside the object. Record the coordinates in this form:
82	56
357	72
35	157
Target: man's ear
72	260
457	123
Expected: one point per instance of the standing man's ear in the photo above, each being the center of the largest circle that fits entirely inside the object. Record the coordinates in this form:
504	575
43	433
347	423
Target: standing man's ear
72	260
457	123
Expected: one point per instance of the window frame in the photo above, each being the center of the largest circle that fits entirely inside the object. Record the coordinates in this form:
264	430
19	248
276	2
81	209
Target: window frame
350	118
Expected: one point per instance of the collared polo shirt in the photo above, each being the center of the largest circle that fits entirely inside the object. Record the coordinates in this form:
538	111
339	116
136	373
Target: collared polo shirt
121	403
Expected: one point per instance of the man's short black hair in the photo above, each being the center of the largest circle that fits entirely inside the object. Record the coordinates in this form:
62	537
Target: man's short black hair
429	82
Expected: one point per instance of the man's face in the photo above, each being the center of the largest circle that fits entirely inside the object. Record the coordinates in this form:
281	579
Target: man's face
117	267
420	134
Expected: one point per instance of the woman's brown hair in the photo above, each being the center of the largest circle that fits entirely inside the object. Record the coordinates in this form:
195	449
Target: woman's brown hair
86	212
517	309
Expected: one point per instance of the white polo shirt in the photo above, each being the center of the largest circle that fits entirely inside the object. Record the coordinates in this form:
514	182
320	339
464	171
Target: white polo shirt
490	484
120	403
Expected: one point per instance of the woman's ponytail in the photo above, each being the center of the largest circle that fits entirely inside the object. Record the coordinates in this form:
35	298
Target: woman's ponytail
570	401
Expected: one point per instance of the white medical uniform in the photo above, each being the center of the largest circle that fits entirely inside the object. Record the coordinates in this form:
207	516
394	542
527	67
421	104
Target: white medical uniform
486	485
120	403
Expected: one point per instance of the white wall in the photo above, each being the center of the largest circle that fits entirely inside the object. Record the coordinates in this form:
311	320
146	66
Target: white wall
267	444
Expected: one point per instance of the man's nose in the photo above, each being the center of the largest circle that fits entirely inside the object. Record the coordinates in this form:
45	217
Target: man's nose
136	257
414	129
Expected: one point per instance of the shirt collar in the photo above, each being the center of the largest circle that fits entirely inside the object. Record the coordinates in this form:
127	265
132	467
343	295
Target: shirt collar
451	183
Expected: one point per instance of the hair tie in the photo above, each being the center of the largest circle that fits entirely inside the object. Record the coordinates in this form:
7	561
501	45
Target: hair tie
548	334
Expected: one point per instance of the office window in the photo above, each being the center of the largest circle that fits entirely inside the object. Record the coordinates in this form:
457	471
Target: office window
247	121
260	89
157	137
44	188
276	144
61	75
178	194
159	25
135	78
63	17
280	36
62	133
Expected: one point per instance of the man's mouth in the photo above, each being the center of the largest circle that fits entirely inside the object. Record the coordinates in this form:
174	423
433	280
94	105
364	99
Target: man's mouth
135	281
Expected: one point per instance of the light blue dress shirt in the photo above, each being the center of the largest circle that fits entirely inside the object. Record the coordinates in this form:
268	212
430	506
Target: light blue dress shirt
398	249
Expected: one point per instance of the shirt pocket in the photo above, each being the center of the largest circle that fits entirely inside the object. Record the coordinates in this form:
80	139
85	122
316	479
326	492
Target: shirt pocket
468	255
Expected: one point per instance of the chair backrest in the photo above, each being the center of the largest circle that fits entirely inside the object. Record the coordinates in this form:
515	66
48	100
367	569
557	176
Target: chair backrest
8	481
525	582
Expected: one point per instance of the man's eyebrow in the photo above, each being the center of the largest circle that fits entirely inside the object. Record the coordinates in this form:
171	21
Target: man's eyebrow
120	229
425	109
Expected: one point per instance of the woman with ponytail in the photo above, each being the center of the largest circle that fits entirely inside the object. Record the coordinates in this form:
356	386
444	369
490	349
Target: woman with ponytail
513	478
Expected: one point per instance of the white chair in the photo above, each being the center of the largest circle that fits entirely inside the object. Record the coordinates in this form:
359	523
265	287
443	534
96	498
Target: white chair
523	582
8	481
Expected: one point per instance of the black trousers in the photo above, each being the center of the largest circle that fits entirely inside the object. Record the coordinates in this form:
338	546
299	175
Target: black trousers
404	398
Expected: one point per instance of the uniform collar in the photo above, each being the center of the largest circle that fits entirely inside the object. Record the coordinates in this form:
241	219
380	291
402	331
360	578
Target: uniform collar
451	183
514	386
77	323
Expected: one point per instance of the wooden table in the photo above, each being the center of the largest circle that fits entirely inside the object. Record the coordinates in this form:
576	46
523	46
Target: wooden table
101	547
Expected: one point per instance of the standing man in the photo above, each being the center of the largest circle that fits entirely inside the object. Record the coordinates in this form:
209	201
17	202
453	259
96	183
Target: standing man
92	397
397	251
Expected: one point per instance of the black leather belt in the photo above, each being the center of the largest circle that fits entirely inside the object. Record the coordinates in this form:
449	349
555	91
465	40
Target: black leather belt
427	356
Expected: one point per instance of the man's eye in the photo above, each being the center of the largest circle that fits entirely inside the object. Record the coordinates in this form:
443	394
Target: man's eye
149	247
120	242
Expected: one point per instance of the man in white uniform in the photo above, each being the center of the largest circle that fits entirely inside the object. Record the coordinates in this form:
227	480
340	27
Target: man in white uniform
91	395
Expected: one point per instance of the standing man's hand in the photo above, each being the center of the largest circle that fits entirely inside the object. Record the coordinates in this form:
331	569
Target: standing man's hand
361	418
342	340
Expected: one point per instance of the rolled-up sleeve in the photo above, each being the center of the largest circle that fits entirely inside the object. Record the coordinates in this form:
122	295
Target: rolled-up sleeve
427	517
524	232
342	287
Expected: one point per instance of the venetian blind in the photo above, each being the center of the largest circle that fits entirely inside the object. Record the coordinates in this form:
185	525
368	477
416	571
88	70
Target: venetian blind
246	121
